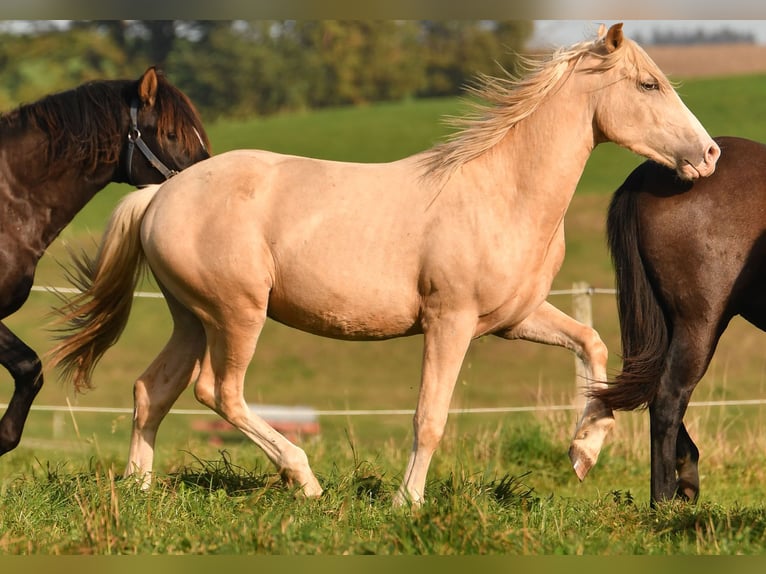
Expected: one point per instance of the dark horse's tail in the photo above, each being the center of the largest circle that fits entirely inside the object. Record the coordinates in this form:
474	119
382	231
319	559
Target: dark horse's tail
643	325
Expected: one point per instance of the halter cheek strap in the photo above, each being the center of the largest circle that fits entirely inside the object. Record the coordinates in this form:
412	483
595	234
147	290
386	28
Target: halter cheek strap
134	140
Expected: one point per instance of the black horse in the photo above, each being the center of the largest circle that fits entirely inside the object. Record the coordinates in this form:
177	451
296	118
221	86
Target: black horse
55	154
689	256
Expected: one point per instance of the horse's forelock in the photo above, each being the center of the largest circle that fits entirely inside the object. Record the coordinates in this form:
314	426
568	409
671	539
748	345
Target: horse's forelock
637	60
177	114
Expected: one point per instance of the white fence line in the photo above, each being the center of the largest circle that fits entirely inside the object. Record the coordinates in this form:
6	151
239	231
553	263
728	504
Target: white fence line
265	410
73	291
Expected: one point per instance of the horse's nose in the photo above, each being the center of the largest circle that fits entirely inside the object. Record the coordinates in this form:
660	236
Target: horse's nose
712	154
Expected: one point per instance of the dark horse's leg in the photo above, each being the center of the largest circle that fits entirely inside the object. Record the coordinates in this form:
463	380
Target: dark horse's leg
674	455
26	369
687	466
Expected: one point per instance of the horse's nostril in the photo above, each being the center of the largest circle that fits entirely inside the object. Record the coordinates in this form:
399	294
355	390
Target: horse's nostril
713	153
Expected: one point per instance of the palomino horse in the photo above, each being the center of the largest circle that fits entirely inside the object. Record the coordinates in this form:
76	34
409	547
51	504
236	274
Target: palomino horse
55	154
454	243
689	256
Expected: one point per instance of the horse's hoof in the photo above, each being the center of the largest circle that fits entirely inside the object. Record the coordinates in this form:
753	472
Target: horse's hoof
581	462
588	441
313	492
309	488
403	499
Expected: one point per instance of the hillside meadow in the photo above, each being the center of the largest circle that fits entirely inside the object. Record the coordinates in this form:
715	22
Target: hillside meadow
500	484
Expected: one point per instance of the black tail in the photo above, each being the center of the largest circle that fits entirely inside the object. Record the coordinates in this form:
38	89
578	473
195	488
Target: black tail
643	325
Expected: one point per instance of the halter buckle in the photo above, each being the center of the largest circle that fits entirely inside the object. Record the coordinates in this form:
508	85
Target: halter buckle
134	140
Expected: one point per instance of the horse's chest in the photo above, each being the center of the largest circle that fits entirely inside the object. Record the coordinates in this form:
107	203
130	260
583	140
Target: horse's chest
510	303
526	260
515	285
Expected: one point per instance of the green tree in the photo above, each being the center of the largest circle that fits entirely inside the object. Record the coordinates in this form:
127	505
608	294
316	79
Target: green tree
241	68
458	50
49	61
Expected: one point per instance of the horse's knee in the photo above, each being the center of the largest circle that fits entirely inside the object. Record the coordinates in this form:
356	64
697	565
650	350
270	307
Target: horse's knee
28	375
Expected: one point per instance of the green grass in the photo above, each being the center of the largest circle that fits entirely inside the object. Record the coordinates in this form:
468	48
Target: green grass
499	484
499	490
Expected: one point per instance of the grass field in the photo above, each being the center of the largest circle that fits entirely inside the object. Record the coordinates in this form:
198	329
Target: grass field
500	484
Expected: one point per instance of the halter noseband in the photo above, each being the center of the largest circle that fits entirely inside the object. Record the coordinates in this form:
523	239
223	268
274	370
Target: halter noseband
134	139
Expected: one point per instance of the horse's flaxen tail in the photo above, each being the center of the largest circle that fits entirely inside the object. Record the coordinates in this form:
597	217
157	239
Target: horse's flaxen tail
94	319
643	325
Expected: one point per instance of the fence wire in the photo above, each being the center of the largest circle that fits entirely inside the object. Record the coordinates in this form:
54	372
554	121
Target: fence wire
265	411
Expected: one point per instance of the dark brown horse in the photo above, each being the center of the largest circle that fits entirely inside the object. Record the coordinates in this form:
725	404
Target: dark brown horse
55	154
689	256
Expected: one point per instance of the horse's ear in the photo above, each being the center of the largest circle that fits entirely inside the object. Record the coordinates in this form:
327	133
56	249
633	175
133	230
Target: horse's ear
614	37
601	31
147	87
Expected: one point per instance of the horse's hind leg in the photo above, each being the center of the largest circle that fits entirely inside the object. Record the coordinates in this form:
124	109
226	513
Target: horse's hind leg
160	385
673	454
550	326
220	386
24	366
687	468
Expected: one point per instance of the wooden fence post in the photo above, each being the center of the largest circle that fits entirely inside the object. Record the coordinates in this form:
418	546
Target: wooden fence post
582	311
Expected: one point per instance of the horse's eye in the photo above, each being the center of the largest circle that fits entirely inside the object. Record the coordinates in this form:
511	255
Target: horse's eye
650	85
172	136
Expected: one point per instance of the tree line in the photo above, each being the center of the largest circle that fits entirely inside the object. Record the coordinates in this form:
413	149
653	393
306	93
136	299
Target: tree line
244	68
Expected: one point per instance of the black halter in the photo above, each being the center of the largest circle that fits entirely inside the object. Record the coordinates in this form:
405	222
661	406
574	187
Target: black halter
134	139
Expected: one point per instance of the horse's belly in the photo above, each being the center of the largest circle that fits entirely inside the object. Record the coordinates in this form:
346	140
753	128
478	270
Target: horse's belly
342	315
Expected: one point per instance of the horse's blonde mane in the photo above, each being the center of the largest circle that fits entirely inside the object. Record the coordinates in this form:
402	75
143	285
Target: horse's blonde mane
504	102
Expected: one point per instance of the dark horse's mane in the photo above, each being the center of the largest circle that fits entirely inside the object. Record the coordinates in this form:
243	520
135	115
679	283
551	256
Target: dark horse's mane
80	124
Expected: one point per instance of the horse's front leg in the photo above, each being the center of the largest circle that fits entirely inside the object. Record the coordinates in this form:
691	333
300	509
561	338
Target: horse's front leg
550	326
446	340
26	369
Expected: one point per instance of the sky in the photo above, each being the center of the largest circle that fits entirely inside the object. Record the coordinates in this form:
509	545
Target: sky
564	32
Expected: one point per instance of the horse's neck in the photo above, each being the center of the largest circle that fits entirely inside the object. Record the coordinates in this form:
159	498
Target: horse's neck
543	156
70	194
48	203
